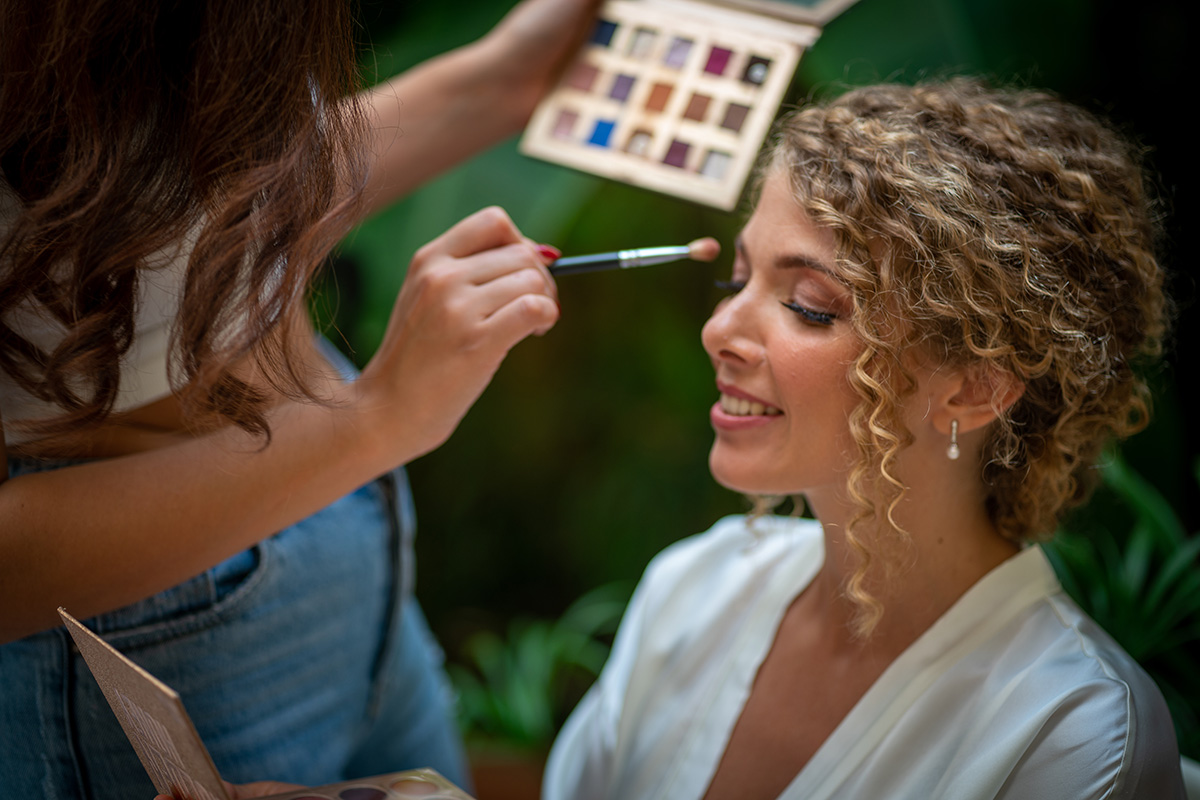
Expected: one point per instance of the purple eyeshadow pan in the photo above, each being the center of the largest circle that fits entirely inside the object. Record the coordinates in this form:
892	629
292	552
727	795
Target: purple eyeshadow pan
362	793
677	154
622	84
678	52
718	60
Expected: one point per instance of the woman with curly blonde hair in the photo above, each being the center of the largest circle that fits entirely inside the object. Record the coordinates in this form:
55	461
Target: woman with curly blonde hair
939	308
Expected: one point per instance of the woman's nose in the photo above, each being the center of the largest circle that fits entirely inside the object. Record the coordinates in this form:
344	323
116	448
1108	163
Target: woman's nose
730	333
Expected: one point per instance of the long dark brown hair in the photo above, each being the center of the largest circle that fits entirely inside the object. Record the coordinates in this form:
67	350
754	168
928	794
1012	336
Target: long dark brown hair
125	125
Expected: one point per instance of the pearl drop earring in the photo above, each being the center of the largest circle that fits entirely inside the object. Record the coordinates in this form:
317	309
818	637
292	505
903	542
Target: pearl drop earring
952	451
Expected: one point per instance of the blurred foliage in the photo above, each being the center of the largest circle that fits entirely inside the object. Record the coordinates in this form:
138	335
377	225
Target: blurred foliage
518	690
1129	562
588	453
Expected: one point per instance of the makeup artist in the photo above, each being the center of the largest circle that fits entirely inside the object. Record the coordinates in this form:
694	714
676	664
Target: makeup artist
187	466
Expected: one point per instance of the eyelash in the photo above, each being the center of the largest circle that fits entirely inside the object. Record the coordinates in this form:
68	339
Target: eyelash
805	313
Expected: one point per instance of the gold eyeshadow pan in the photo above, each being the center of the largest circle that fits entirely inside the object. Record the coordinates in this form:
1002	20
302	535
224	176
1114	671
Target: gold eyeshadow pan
677	96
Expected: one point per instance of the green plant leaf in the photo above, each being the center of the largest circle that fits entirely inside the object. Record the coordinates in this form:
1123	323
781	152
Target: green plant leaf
1146	501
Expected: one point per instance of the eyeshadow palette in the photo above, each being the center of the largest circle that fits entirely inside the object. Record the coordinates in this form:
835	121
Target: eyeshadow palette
161	732
416	783
677	95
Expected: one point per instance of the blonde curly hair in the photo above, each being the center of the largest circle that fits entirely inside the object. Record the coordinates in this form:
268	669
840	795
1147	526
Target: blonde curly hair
993	228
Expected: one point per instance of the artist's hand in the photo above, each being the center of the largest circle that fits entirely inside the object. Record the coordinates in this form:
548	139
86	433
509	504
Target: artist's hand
531	46
469	296
245	791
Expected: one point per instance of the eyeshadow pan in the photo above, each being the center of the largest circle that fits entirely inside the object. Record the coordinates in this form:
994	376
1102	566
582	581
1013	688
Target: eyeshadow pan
639	142
602	132
582	76
659	95
697	107
564	125
715	164
756	70
415	787
602	34
678	52
642	43
735	117
677	154
718	60
362	793
622	84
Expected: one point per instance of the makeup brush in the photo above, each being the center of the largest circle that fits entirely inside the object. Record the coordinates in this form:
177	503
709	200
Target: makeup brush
705	249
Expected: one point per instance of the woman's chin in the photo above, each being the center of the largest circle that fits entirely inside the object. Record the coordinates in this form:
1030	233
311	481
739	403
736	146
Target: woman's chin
739	479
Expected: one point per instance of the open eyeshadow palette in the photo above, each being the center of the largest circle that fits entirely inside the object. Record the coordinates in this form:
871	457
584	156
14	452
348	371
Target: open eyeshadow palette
165	740
677	95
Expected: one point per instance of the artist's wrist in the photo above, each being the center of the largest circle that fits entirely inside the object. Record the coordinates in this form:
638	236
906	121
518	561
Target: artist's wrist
496	86
388	428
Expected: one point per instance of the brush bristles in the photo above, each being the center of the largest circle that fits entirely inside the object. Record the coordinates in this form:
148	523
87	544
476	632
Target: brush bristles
705	249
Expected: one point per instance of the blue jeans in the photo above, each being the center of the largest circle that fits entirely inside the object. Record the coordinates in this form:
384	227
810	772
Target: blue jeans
303	659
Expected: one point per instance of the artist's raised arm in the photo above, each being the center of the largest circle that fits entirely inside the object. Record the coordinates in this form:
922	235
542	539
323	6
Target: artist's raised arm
448	108
153	519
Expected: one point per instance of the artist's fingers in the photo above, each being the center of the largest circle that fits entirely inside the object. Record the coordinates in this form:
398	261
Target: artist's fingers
483	268
527	313
502	290
484	246
486	229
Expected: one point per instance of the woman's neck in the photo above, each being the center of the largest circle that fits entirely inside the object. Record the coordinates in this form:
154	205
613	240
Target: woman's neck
947	544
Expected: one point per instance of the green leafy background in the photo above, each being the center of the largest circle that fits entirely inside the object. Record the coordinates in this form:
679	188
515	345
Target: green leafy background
588	453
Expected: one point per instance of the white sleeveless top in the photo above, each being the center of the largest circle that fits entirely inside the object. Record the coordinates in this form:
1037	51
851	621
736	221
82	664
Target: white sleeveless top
143	376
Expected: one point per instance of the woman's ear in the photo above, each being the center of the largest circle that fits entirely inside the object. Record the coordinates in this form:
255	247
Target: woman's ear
975	396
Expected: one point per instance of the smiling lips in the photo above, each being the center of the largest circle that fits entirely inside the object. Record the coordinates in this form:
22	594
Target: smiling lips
741	407
734	412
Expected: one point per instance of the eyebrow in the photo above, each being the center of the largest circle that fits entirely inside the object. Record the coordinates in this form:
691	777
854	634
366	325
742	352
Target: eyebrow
791	260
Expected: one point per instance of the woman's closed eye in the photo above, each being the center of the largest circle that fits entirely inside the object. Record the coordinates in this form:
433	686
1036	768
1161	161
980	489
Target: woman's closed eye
810	315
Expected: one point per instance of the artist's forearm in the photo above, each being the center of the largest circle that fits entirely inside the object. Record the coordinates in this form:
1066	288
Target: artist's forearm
437	115
98	536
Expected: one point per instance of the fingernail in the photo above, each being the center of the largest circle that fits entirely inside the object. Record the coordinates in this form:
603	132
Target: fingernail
549	252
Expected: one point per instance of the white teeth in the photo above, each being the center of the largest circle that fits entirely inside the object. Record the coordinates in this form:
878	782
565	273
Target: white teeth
740	407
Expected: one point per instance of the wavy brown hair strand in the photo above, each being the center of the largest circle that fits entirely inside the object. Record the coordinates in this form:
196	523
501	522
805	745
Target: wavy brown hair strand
126	127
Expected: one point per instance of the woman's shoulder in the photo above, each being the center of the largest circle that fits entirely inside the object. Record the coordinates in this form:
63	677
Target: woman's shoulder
700	584
1076	706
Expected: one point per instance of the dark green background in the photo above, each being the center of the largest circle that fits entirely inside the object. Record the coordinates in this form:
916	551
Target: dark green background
588	453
